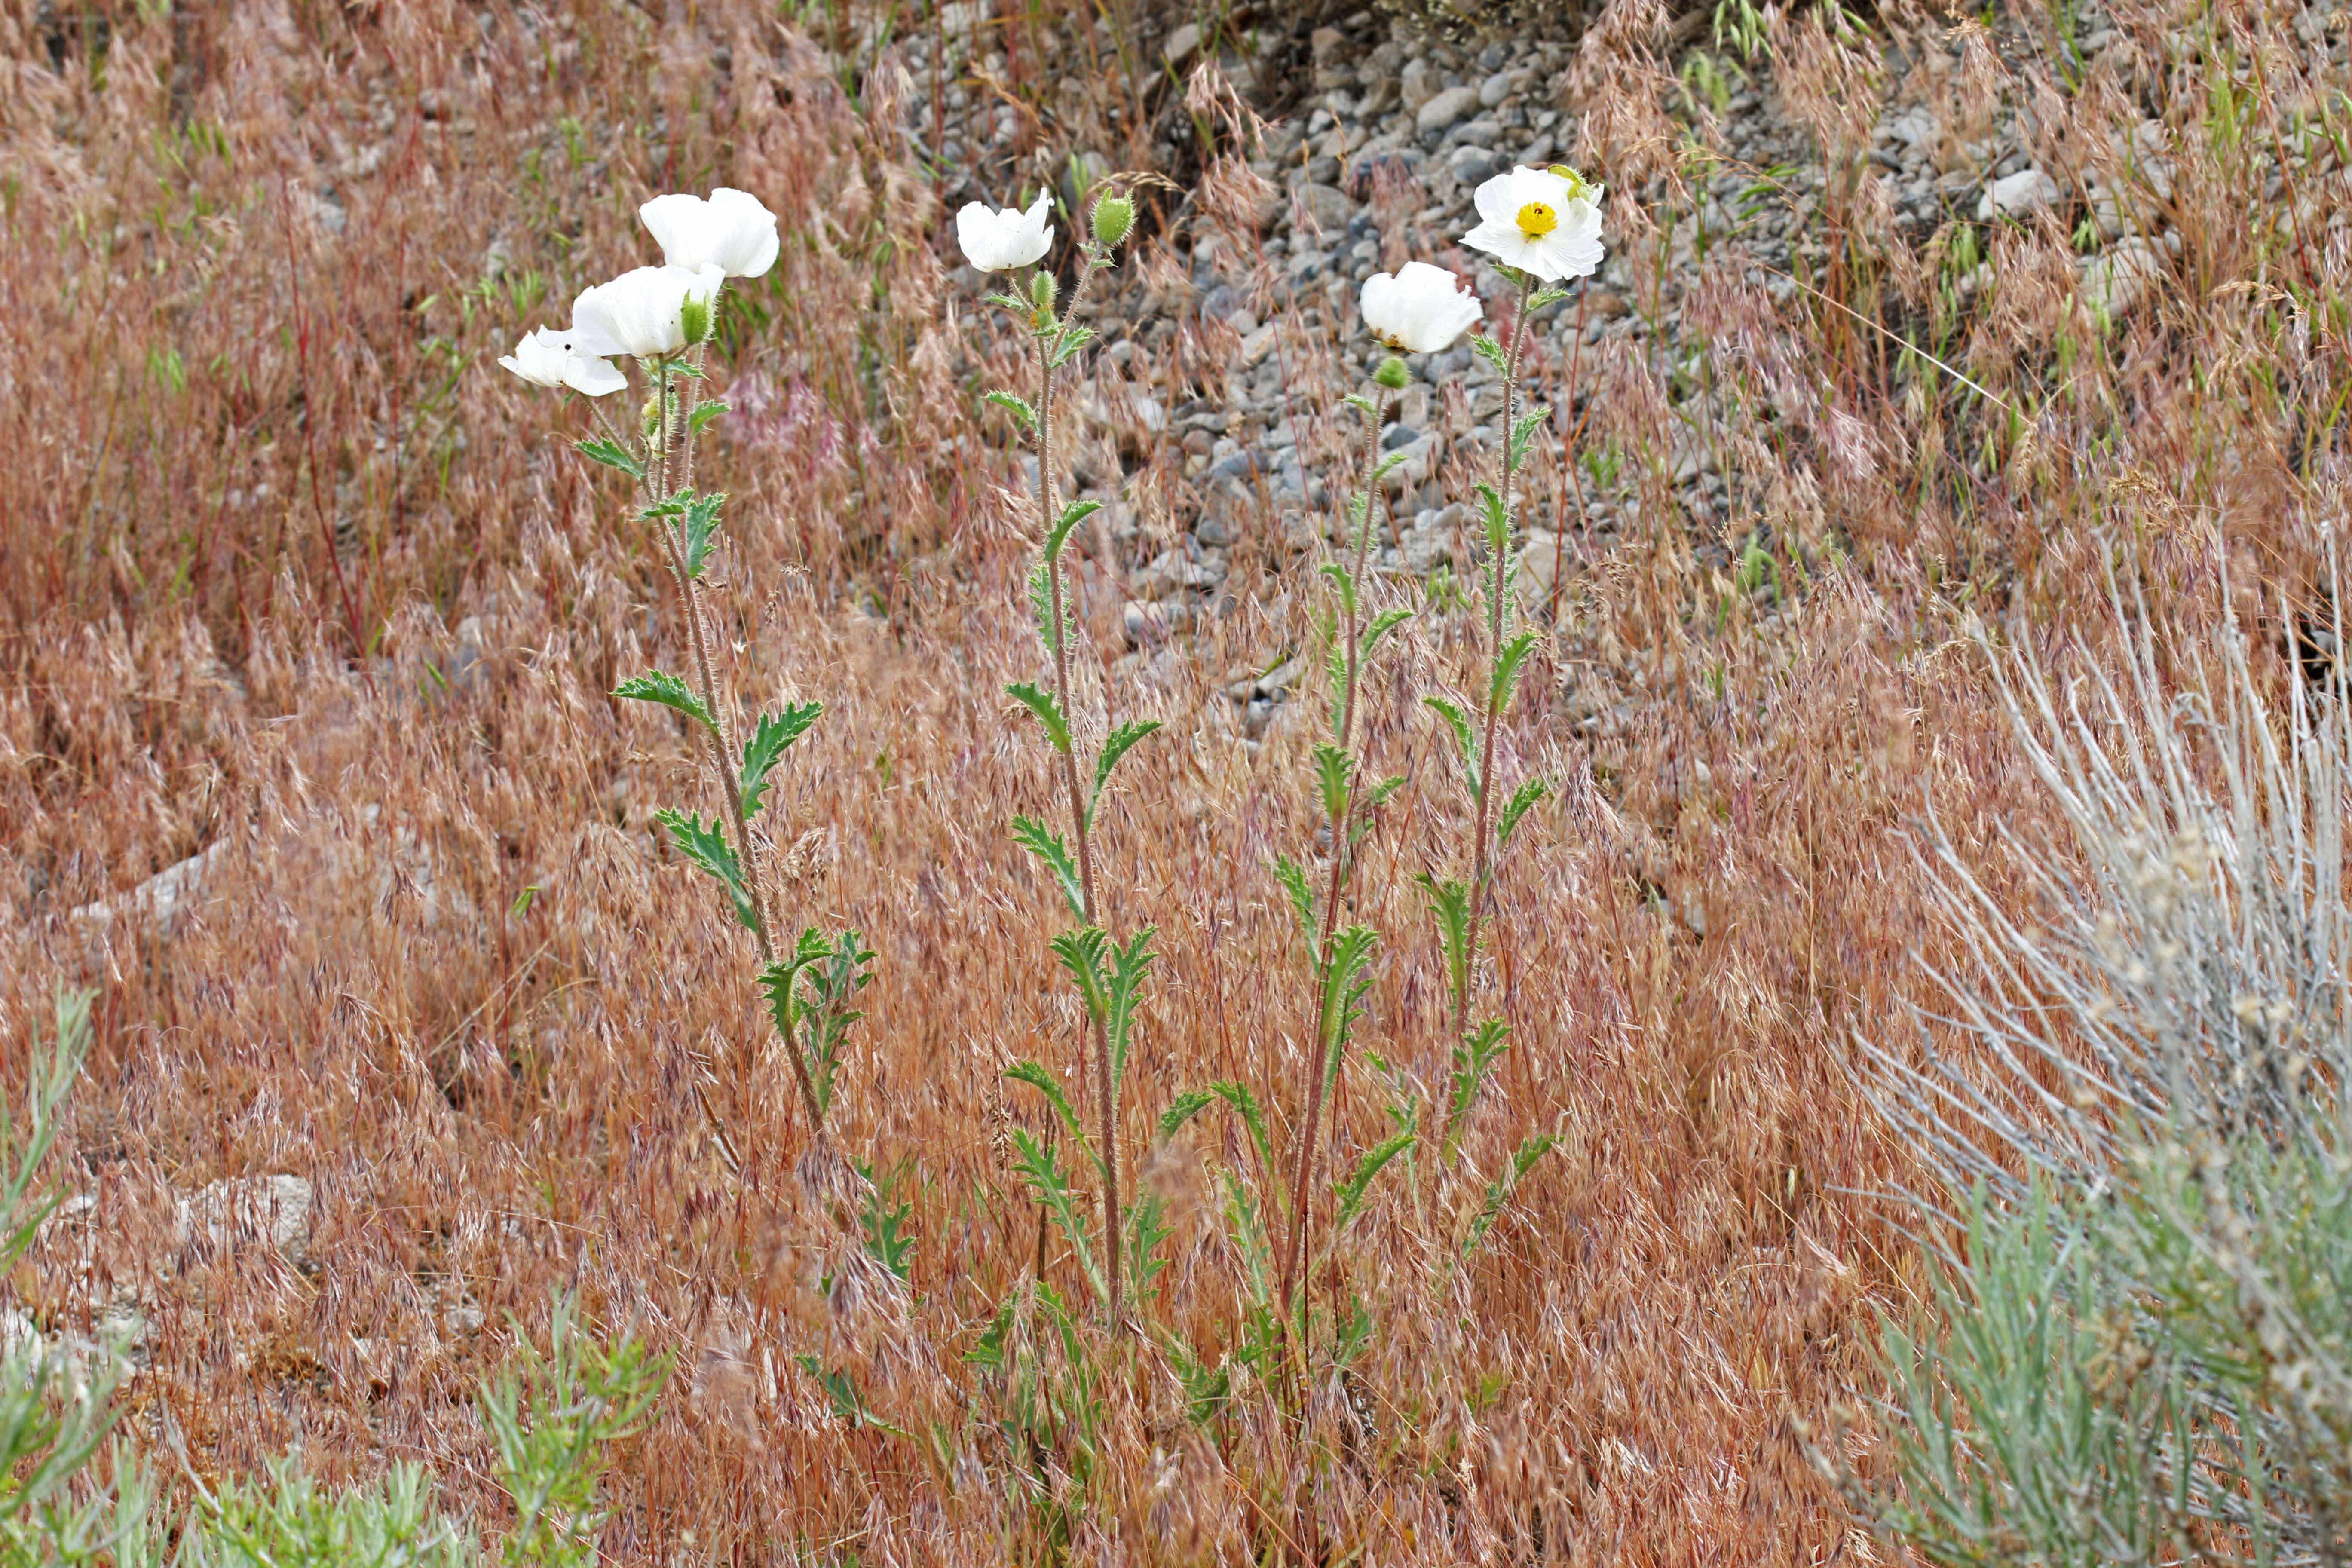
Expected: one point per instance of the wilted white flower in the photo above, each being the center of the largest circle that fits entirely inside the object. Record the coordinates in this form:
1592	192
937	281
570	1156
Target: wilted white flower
1418	310
1544	221
993	240
546	357
640	312
731	231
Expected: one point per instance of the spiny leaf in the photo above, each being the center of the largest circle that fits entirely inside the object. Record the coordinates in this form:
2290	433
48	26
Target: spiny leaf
1351	1193
1522	800
1344	985
1044	1082
776	981
1078	336
1373	800
1543	298
1037	1165
1507	666
1081	953
707	848
1024	415
1459	723
1182	1110
1293	877
1390	464
1344	581
1128	966
1382	624
1474	1057
1041	605
1499	1191
1494	353
1496	517
1357	401
1048	711
1521	428
704	413
1015	303
1116	745
612	454
1449	904
1236	1093
698	529
669	691
1048	846
1333	768
1076	512
766	747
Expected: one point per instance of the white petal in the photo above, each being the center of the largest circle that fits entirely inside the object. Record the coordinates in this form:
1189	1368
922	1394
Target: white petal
751	239
677	224
593	377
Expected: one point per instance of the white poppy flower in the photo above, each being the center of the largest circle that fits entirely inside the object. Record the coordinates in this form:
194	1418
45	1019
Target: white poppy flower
640	312
994	240
731	231
1420	310
546	358
1541	221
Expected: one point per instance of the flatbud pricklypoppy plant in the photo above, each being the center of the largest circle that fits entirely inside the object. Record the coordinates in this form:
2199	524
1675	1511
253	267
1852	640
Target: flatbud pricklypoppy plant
659	319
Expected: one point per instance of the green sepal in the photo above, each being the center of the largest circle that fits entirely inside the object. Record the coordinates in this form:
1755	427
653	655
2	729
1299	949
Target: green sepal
1022	415
1508	664
769	739
1522	799
1076	512
1048	711
1499	1190
1449	903
612	454
1116	745
669	691
1460	723
1033	837
708	848
704	413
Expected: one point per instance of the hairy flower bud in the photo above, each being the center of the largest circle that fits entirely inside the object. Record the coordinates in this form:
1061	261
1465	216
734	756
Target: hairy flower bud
1113	215
1392	374
695	316
1042	289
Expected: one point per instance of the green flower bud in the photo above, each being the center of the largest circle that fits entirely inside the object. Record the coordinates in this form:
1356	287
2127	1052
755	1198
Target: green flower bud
650	418
1113	215
694	317
1042	289
1392	374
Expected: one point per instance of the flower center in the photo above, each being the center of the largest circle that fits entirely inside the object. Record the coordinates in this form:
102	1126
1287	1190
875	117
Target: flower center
1536	219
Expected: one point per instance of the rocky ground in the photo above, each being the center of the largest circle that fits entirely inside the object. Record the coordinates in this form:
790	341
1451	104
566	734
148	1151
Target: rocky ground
1212	428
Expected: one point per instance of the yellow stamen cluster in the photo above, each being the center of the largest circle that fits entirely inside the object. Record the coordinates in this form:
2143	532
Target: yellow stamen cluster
1536	219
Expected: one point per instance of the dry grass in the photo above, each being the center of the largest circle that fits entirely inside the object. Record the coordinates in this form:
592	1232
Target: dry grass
261	469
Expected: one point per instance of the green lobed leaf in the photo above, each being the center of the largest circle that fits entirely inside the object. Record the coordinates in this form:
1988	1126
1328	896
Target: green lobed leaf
1236	1094
1475	1055
1373	800
697	529
776	983
1048	711
1041	605
1182	1110
1390	464
1022	415
1344	983
1293	878
707	848
1459	723
1522	428
830	983
1357	400
1496	518
1081	953
1345	581
1128	966
1116	745
1076	336
1494	353
1333	769
1036	1165
1522	800
1076	512
1543	298
1508	665
1044	1082
1033	836
704	413
1351	1191
1382	625
769	737
669	691
1449	905
612	454
1499	1191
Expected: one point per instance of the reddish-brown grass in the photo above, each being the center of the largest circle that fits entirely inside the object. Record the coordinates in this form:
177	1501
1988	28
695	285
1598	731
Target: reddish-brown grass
262	469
